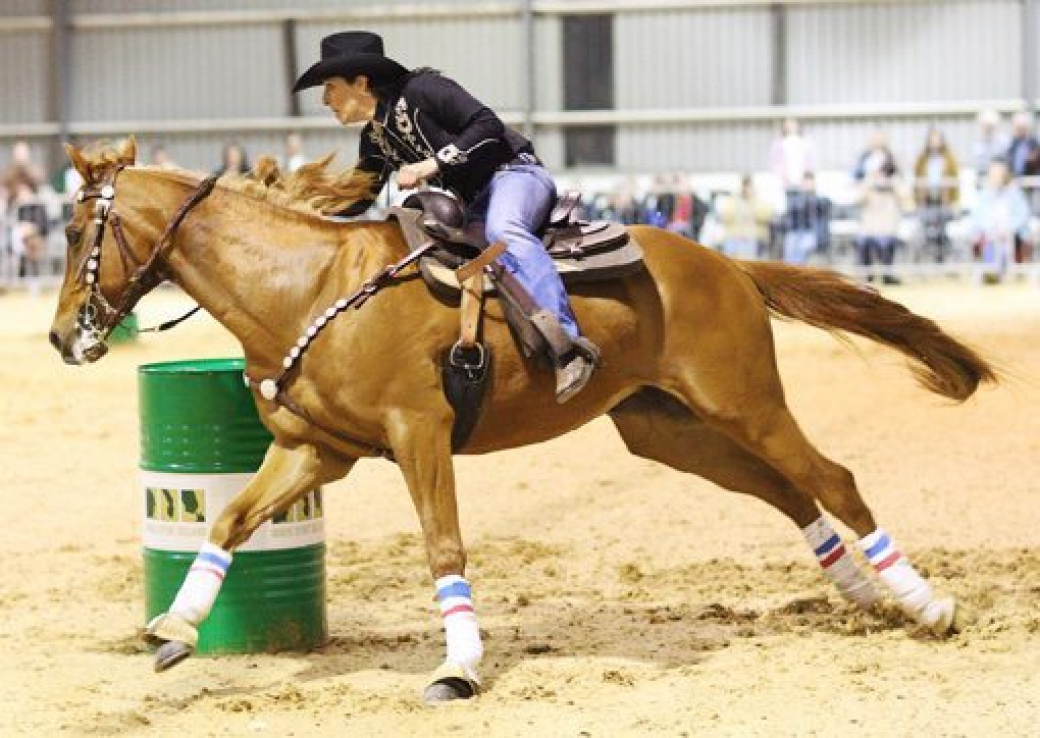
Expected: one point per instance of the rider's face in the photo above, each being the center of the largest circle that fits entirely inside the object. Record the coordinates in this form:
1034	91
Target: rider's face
349	102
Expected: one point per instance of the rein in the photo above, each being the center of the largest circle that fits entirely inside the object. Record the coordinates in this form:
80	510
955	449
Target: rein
146	276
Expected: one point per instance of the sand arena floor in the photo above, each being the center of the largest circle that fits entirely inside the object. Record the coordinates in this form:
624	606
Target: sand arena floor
618	597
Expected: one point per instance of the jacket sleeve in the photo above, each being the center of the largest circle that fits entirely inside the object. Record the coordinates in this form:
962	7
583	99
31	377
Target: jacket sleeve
475	126
372	165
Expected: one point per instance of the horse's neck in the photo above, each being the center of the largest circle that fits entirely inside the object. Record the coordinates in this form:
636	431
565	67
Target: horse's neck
263	271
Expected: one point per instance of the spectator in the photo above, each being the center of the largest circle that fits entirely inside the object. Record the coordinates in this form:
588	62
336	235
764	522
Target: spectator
880	207
294	156
806	222
1000	219
234	160
22	173
936	191
160	158
745	222
21	184
792	156
991	143
1023	155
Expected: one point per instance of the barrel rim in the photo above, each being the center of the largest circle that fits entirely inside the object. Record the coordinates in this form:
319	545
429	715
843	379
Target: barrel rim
216	365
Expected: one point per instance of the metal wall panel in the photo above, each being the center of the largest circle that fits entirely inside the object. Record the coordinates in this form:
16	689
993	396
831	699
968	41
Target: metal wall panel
22	8
177	73
24	77
144	6
899	52
485	55
699	58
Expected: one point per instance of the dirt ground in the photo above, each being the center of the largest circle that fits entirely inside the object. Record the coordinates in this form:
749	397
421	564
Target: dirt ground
618	597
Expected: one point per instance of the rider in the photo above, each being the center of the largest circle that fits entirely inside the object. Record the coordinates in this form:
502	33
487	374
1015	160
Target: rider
429	129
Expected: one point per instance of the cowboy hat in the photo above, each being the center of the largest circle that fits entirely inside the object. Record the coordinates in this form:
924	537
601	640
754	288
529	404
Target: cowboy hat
349	54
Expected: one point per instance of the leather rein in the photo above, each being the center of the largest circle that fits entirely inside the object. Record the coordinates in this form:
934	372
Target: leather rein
97	316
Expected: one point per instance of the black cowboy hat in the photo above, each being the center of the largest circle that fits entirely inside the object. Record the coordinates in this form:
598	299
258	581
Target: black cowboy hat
349	54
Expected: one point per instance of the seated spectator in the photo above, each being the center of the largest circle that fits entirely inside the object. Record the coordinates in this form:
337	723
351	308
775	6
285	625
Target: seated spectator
1023	155
234	160
806	222
936	191
745	222
991	144
1000	219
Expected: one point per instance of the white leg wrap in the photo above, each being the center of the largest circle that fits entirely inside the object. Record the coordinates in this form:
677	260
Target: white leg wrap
460	622
838	564
913	592
198	593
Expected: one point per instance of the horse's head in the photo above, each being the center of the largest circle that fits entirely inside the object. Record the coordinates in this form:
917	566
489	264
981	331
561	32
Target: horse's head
104	275
92	283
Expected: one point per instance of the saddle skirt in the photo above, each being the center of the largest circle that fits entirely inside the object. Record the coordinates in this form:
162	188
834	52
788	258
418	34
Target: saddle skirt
581	251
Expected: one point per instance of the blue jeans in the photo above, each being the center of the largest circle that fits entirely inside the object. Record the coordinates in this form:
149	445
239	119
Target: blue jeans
799	246
513	206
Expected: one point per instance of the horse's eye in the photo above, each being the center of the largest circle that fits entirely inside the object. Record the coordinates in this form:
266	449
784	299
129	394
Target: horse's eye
73	235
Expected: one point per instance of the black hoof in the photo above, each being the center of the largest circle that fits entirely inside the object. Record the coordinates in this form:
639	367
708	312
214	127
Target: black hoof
448	690
170	654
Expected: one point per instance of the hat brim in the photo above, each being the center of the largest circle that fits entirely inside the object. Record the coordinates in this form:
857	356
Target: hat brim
376	67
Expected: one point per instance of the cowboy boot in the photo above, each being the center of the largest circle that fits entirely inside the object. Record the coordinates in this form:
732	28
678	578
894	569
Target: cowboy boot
575	372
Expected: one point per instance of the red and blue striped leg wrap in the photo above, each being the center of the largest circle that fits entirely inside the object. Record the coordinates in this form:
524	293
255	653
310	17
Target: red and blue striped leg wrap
196	596
914	594
460	622
838	564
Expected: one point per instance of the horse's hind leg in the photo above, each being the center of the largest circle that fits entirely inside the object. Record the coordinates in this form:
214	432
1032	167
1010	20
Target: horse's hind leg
656	426
287	473
767	429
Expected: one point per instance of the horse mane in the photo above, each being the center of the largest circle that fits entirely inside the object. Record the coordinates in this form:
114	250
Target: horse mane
316	188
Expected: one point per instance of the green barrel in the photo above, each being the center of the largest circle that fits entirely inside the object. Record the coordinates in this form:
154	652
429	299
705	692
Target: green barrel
126	331
201	442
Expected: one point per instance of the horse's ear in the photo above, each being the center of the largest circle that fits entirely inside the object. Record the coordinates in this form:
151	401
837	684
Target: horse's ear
79	162
128	150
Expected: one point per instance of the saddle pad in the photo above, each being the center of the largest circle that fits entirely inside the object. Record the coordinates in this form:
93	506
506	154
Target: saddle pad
598	267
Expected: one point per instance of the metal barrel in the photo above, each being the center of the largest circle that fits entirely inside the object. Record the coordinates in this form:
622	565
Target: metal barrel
126	331
202	442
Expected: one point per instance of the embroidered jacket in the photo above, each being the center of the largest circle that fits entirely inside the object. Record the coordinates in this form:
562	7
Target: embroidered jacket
430	115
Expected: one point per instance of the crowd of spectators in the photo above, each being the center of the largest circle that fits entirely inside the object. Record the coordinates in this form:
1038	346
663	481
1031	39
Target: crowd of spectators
791	218
876	204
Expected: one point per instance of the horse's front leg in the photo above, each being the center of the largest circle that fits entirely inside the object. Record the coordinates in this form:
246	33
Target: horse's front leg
422	448
287	473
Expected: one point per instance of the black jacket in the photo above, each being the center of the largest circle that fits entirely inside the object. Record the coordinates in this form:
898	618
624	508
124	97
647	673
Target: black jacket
428	115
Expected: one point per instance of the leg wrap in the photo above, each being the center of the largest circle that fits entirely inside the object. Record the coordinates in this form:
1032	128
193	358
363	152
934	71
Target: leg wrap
198	593
460	622
914	594
838	563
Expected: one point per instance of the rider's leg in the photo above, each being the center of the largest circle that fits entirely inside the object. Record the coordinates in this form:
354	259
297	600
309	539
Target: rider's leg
518	201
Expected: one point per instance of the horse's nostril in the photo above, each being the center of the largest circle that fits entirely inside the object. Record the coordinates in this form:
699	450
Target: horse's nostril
55	342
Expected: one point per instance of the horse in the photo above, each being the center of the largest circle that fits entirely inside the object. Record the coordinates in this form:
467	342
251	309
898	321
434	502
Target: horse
689	373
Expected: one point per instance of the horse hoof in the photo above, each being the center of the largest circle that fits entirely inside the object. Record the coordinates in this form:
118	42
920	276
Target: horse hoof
946	622
170	654
448	689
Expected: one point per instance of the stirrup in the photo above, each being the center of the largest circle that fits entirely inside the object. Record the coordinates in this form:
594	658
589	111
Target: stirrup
572	376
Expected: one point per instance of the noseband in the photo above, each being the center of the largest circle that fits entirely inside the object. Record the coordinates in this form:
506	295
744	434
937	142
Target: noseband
97	317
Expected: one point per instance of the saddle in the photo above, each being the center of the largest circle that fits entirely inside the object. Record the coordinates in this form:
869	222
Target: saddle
582	251
458	263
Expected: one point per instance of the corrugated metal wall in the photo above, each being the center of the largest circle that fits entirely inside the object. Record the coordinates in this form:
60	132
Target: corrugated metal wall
705	58
903	52
695	59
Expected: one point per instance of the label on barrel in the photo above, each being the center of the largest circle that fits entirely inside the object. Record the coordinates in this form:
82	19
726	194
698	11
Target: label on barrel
179	510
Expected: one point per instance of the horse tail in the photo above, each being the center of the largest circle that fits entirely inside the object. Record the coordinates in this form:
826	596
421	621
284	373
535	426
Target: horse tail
828	300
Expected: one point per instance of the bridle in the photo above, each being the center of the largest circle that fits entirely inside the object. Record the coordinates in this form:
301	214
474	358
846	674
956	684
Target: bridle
97	317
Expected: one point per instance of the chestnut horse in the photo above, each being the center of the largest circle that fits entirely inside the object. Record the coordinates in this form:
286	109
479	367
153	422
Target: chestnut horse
689	373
